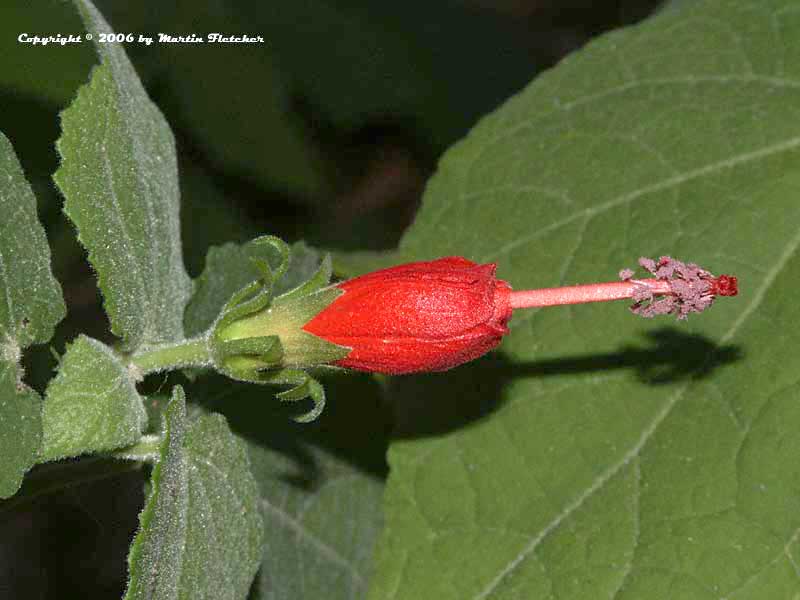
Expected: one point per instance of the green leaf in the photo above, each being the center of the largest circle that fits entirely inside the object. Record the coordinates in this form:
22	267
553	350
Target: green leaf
92	404
20	428
120	182
349	65
321	512
253	133
359	61
229	269
31	306
200	533
30	303
320	539
593	466
320	484
257	135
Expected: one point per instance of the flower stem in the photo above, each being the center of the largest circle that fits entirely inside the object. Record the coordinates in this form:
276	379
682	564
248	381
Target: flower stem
594	292
186	353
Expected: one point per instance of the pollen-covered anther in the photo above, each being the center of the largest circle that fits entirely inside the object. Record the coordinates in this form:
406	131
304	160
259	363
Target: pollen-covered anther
691	289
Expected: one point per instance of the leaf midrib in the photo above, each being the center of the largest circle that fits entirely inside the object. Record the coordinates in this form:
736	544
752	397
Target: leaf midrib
108	171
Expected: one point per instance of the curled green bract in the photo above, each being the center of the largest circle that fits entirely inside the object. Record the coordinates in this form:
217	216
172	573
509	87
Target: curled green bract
259	338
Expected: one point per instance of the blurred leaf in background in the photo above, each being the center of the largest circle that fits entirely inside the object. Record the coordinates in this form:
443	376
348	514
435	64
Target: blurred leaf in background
48	73
342	110
320	485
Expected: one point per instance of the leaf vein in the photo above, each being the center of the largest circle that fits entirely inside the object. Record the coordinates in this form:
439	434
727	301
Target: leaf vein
665	184
649	431
328	552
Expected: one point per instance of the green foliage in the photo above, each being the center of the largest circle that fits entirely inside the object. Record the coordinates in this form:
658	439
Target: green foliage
50	72
91	405
229	268
397	62
20	428
321	514
592	470
120	182
261	139
32	304
201	532
320	500
258	335
575	462
321	536
30	307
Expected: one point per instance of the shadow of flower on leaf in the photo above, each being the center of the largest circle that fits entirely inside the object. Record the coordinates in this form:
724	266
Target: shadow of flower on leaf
437	403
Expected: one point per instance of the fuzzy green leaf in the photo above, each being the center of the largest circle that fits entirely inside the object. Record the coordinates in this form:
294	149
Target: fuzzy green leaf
30	307
594	466
119	179
320	484
320	538
201	532
92	404
20	428
30	298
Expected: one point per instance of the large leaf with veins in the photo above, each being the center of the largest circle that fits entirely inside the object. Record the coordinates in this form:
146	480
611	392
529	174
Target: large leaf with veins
579	462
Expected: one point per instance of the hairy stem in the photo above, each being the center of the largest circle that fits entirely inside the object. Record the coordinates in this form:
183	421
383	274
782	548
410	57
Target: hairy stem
186	353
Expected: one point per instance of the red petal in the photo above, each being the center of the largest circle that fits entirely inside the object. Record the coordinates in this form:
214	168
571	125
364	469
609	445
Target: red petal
425	316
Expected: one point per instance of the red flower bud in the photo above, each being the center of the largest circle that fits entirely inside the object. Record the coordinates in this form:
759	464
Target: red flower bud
423	316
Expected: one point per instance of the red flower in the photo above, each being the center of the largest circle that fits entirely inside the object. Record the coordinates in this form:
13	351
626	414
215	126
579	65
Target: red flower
423	316
433	316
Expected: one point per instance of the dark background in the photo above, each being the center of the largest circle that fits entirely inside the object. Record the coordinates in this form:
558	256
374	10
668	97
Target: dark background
327	132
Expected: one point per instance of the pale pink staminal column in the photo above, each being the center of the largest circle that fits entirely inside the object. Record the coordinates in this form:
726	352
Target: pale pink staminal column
677	288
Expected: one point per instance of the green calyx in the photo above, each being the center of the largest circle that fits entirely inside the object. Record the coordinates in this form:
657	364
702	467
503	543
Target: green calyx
260	338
